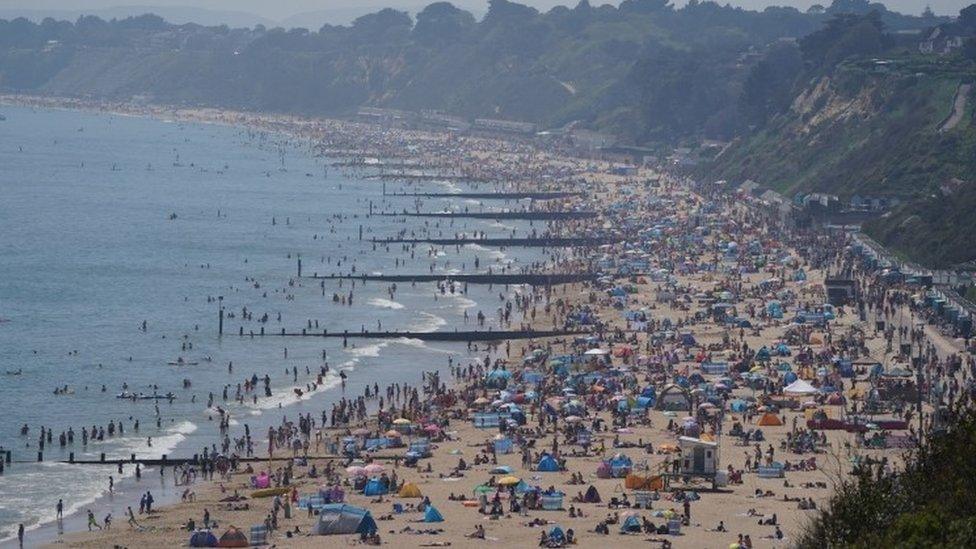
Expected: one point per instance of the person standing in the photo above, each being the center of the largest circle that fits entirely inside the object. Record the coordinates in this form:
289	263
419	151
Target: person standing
20	535
60	509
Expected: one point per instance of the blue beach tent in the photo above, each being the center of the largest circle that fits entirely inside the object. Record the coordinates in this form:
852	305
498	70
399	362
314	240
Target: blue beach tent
630	525
548	464
342	518
432	515
375	488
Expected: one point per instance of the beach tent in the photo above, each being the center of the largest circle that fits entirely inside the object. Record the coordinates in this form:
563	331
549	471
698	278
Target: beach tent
557	536
738	405
342	518
502	470
375	488
769	419
630	525
592	495
552	501
504	446
410	490
203	538
432	515
673	398
421	446
233	537
620	466
799	387
638	482
548	464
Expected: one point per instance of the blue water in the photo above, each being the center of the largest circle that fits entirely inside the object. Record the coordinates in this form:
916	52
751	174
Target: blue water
88	251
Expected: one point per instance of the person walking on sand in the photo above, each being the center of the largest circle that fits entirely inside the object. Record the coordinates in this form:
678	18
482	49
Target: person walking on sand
132	518
92	521
20	535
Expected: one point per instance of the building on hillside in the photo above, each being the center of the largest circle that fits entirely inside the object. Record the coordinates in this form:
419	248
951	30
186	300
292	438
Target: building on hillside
437	118
376	114
941	41
505	126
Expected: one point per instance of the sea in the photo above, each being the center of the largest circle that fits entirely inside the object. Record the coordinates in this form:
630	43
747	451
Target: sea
110	221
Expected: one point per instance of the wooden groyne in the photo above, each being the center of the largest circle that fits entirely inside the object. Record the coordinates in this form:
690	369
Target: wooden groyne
537	215
552	242
485	278
467	336
494	196
428	177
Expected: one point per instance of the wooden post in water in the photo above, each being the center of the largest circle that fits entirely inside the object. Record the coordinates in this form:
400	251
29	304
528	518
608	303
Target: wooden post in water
300	264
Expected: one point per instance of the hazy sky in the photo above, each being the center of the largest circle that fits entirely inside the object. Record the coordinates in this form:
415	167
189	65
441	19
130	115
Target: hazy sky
282	9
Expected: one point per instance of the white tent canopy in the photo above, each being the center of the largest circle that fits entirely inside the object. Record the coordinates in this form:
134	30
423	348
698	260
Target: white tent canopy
800	387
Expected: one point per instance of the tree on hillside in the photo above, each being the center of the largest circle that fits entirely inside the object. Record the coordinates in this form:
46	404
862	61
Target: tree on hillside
441	23
768	89
387	25
843	36
929	504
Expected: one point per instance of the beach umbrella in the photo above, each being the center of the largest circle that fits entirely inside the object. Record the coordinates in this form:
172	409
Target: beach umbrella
401	421
393	434
502	470
481	401
431	428
355	471
373	469
509	480
572	419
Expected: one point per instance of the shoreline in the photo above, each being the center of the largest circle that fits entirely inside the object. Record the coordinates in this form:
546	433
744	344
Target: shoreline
295	127
636	344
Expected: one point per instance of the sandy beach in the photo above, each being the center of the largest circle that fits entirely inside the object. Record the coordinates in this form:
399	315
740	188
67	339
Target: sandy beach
688	283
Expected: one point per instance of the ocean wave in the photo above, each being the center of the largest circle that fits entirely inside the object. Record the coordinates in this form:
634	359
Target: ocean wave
431	324
79	487
162	444
464	303
385	303
451	186
287	396
421	344
371	351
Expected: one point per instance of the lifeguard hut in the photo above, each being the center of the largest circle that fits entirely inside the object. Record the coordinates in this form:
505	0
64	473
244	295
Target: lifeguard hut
700	458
